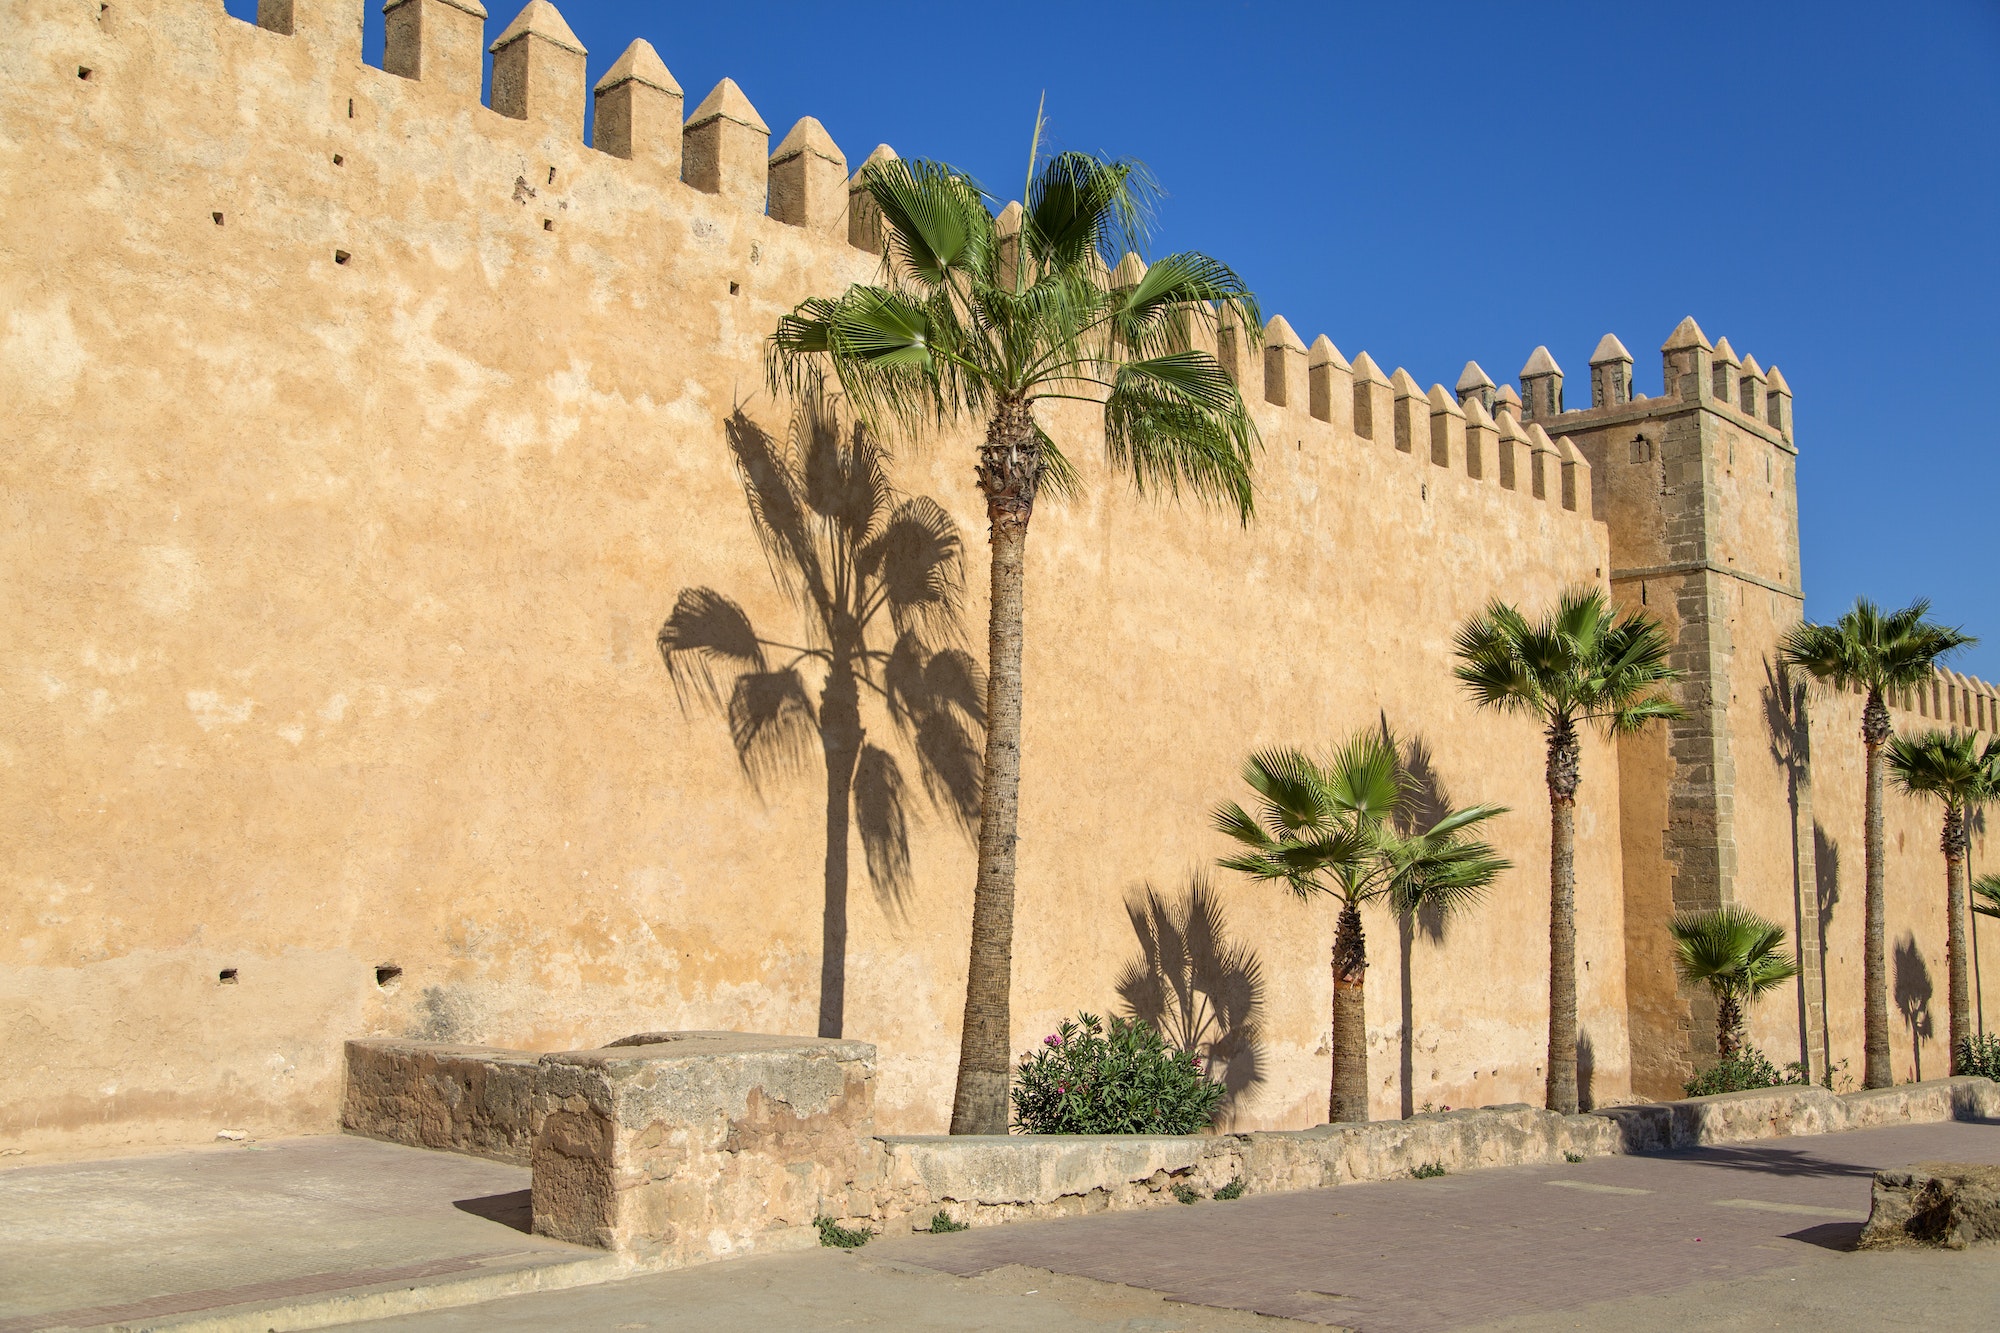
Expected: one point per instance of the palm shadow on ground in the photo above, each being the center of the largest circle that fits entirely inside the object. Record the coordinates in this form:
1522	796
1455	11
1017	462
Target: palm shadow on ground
877	579
1199	989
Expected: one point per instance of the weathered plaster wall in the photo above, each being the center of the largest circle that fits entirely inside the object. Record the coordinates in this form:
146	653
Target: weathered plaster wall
334	589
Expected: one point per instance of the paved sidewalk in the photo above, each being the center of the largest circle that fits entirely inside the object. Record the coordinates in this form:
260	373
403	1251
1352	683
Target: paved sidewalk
297	1221
1511	1243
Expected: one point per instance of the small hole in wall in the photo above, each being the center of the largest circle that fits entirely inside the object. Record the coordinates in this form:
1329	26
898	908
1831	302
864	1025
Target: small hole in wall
548	224
552	175
83	71
388	975
341	256
339	161
217	217
226	977
350	108
1423	492
734	288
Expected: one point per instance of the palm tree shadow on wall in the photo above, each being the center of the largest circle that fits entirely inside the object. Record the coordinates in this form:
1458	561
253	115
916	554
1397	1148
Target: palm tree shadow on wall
878	580
1790	730
1913	991
1429	802
1194	985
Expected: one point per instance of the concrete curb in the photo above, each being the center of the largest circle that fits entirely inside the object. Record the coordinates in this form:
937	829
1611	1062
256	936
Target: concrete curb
352	1306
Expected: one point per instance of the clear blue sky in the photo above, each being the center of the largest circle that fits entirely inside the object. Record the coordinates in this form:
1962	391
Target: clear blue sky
1819	182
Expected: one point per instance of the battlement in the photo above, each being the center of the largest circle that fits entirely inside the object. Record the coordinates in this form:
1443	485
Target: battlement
1950	699
1694	372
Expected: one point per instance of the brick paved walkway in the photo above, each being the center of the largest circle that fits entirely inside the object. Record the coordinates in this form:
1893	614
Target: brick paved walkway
1458	1250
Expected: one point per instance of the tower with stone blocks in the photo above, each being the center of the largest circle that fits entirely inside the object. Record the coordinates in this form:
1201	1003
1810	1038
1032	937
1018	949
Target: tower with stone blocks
1697	487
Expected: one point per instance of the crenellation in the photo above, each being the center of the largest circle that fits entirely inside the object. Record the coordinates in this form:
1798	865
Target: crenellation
1750	389
1544	476
1374	400
1685	360
1575	477
1481	439
808	178
1411	414
1723	368
1475	383
333	28
439	43
1778	403
638	115
723	149
1542	386
1610	373
1448	430
1330	385
864	215
1284	365
539	71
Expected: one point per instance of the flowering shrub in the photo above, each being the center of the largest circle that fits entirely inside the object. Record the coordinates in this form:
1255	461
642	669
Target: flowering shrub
1747	1069
1085	1080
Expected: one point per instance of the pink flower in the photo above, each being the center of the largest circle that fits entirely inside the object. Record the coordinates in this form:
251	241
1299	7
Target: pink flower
1052	1040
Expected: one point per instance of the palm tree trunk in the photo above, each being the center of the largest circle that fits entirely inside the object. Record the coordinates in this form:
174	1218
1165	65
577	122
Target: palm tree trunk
1876	1072
1728	1024
840	741
1563	776
1958	988
1348	1096
1010	466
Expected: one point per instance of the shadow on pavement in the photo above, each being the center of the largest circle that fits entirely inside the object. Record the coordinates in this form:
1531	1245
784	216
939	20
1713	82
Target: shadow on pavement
1840	1236
1770	1161
509	1210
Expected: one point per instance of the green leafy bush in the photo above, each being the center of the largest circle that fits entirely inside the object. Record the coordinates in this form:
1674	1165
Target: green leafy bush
1233	1190
1980	1056
1429	1171
1085	1080
838	1237
942	1222
1748	1068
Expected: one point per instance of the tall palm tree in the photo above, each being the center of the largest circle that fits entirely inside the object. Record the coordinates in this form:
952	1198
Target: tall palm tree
1878	654
972	319
1738	955
1579	664
1329	827
1952	767
878	579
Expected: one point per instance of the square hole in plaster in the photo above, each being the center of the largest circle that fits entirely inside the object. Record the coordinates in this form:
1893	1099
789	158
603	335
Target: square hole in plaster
83	71
548	224
341	256
734	288
217	217
339	161
387	975
552	175
226	977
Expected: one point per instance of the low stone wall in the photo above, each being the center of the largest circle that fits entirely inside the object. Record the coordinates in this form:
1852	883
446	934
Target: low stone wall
1768	1113
676	1147
467	1099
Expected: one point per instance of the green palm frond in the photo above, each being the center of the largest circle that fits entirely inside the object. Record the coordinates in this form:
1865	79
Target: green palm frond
935	217
1081	207
1986	895
1731	949
1329	826
1950	766
1873	650
1581	662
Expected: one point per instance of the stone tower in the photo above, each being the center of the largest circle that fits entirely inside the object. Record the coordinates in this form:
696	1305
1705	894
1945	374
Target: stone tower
1698	490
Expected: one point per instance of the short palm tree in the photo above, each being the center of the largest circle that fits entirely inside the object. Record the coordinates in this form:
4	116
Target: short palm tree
971	319
1878	654
877	577
1330	827
1739	956
1953	768
1580	664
